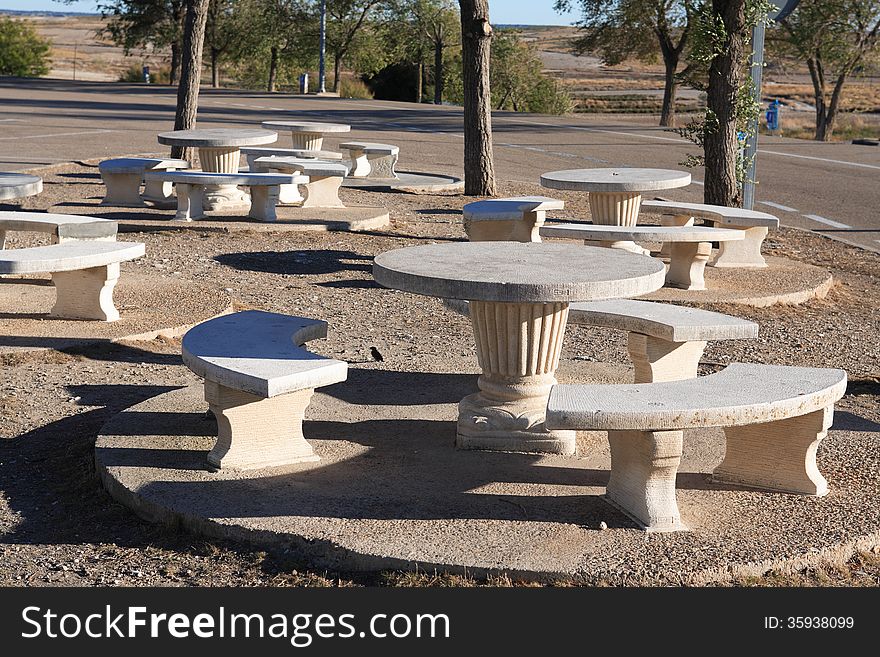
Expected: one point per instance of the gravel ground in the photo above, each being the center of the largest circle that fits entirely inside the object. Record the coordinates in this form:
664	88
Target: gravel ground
60	528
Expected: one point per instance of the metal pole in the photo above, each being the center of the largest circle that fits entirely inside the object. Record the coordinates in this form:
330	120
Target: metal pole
751	151
321	77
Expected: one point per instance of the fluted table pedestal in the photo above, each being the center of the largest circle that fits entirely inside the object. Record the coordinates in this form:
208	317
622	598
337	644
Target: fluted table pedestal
220	152
616	194
518	296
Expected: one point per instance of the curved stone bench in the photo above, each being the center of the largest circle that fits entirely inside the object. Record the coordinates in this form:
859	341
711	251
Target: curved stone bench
62	227
258	383
123	176
191	190
515	219
754	225
773	417
371	160
256	152
84	274
322	186
665	342
690	250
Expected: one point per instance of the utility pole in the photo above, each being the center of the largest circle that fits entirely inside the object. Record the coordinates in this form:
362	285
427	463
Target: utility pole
322	87
757	72
75	46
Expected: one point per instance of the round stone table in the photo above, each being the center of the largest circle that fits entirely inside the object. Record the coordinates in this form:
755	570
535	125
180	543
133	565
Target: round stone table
220	151
307	135
19	185
519	295
616	194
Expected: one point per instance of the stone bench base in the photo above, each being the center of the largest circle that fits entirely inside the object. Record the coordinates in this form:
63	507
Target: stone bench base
249	433
86	293
774	418
123	177
370	160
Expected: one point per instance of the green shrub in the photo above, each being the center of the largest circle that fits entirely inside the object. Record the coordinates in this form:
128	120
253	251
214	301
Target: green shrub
23	52
353	88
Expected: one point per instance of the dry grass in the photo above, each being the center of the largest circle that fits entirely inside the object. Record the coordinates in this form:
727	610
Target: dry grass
860	95
802	125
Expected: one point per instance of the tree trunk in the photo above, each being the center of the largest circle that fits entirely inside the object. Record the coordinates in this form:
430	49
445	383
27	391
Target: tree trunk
174	74
420	89
215	69
273	69
725	77
476	40
667	114
190	71
337	64
827	127
438	72
817	75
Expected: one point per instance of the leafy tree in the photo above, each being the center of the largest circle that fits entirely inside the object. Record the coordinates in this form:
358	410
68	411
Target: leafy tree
619	29
440	23
221	34
415	28
274	33
518	81
834	38
345	22
721	35
135	24
23	52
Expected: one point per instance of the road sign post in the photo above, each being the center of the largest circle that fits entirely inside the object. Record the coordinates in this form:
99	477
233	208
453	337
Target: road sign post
323	45
757	70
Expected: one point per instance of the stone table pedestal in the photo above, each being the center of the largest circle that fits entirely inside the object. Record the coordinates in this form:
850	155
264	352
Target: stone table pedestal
616	194
308	135
519	295
220	152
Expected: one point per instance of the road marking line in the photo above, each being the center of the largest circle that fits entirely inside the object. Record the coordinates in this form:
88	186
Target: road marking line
683	141
610	132
4	120
821	159
60	134
828	222
778	206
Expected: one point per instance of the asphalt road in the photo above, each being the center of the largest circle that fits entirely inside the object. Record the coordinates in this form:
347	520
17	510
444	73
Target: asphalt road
829	188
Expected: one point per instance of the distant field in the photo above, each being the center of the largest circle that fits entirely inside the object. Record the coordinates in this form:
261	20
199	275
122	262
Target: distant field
636	87
630	88
78	51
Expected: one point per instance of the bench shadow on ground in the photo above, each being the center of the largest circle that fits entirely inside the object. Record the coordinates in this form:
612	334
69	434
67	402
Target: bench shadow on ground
48	476
391	388
318	261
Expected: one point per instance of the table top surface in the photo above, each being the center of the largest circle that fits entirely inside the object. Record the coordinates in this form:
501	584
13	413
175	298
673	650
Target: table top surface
615	180
307	126
516	272
19	185
218	137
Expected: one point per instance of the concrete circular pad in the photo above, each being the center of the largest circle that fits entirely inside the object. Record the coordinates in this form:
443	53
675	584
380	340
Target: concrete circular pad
391	492
783	281
148	306
410	182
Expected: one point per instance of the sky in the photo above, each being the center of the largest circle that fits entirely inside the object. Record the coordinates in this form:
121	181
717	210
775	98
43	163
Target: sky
525	12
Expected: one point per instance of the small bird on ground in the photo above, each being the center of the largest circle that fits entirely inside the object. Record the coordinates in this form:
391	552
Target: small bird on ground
376	355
